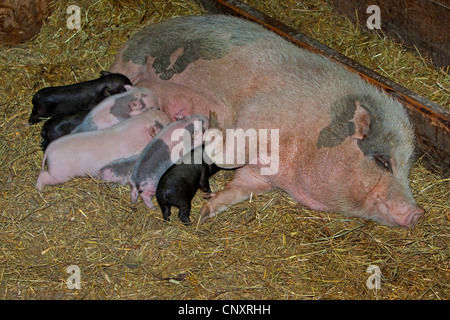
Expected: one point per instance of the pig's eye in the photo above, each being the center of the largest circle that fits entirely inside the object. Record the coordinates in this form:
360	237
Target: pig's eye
383	163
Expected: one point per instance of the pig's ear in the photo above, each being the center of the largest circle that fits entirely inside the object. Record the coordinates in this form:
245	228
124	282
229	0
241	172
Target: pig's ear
361	120
128	87
106	92
153	131
105	73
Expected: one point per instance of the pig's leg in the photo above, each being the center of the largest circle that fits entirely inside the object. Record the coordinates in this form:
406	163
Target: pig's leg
45	179
204	181
245	182
185	209
146	196
165	209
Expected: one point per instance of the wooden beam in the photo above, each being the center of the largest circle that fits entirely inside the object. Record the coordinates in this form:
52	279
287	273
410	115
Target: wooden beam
416	23
431	121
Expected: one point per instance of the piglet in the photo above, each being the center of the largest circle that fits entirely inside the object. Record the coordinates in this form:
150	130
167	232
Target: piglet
179	184
117	108
84	153
59	126
71	99
157	155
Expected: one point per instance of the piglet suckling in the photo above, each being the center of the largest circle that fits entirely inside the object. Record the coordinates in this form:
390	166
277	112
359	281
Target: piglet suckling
84	153
180	183
159	157
117	108
107	113
73	98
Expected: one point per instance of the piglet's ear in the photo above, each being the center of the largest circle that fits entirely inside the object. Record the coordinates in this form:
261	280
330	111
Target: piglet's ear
105	73
106	92
128	87
361	120
153	131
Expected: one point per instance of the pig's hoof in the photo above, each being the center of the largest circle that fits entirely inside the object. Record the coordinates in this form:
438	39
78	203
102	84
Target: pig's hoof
134	195
209	195
186	221
39	186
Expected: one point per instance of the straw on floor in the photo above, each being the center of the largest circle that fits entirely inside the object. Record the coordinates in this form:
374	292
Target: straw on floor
269	247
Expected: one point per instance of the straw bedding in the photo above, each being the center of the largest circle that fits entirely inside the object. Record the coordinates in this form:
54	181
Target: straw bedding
267	248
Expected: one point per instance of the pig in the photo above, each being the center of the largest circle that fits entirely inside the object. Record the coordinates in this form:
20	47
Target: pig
59	126
177	187
344	145
144	178
117	108
120	170
71	99
84	153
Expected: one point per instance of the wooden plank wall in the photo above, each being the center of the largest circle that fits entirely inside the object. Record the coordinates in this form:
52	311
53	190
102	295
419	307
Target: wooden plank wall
424	24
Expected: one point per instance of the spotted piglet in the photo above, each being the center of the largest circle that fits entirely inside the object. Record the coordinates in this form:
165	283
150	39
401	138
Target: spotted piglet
117	108
109	112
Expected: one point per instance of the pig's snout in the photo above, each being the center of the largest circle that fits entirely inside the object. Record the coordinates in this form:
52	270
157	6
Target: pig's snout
413	216
393	208
403	214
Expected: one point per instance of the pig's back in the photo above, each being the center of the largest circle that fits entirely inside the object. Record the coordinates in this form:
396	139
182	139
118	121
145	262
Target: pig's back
232	60
263	79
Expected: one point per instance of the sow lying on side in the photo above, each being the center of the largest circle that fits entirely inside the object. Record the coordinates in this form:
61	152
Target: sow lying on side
343	144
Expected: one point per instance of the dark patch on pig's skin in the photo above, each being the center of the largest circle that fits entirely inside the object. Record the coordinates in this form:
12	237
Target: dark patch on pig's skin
159	125
375	144
157	154
162	39
118	110
84	127
141	100
122	167
190	128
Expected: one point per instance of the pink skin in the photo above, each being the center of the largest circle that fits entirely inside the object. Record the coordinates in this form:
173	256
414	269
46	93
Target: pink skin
102	116
84	153
147	197
178	101
328	179
145	99
377	197
382	201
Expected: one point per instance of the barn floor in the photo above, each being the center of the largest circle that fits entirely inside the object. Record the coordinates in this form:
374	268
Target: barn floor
266	248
